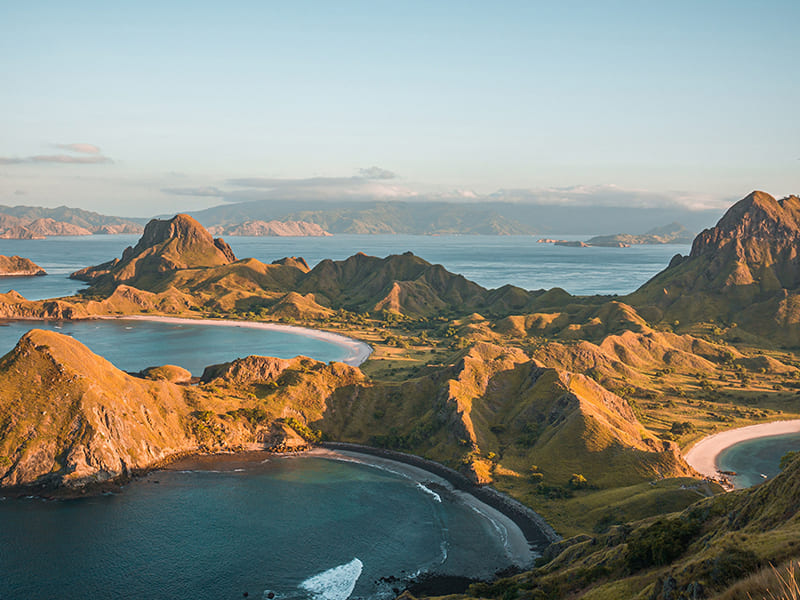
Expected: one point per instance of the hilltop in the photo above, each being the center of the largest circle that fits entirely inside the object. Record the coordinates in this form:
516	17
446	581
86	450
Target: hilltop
165	246
743	274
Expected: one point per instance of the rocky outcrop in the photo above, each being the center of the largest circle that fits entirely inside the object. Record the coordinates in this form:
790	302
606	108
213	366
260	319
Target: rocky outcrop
745	270
271	228
165	246
12	266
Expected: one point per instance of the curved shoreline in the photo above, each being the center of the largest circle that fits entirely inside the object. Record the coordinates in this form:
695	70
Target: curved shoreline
537	532
359	351
703	457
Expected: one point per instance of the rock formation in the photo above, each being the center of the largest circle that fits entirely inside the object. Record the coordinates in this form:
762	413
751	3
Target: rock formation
11	266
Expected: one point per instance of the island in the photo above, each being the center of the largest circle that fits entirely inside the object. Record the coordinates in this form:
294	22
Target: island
577	408
17	266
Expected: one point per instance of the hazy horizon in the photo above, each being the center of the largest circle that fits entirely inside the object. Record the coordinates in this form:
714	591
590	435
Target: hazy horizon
144	109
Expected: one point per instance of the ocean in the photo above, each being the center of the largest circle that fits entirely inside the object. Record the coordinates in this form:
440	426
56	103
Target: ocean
491	261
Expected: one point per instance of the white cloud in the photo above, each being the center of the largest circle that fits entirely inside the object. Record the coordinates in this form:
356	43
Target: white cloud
81	148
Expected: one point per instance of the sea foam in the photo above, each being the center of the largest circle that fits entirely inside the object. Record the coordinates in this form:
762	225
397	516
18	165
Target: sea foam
336	583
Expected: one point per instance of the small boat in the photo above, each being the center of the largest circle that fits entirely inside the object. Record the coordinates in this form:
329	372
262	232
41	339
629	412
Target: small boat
763	476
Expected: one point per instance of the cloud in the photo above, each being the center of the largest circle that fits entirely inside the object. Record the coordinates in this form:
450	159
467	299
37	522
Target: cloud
608	195
79	147
69	159
87	154
20	193
206	192
376	173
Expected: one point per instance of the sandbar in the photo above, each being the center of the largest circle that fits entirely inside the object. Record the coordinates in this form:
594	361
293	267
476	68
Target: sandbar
358	351
703	456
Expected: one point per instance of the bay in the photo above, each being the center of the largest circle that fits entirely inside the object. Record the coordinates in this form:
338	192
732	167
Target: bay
753	458
304	528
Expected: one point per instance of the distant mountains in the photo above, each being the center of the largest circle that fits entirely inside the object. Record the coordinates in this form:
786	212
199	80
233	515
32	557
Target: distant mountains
432	218
271	229
36	222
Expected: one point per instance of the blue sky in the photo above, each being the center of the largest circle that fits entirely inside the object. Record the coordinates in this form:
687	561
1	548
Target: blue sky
182	105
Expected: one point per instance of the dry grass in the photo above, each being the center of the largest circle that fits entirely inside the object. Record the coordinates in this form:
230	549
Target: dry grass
771	583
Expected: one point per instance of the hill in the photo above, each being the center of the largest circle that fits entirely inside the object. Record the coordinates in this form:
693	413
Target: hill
674	233
744	271
11	266
721	547
271	228
34	222
165	246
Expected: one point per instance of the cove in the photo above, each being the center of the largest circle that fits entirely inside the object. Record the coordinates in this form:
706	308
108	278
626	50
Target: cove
133	344
752	458
216	527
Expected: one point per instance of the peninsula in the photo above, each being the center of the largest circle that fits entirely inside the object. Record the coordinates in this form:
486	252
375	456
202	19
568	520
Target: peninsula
17	266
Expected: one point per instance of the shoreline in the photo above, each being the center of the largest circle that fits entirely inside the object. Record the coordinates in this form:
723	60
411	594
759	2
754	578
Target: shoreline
359	351
537	532
703	457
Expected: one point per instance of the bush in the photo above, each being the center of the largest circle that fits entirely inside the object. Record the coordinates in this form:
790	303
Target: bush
660	543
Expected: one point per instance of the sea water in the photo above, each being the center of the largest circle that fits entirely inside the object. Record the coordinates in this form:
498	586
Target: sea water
757	460
301	528
491	261
135	344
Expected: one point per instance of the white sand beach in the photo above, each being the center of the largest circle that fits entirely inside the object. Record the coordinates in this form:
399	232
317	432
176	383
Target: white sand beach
358	351
703	456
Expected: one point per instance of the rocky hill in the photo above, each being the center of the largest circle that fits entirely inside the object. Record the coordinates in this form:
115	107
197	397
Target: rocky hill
165	246
70	418
11	266
745	270
271	228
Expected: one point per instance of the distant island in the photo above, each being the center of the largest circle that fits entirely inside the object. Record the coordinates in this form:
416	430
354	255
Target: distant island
36	223
674	233
17	266
271	228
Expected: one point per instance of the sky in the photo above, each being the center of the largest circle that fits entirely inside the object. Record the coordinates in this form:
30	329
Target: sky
143	108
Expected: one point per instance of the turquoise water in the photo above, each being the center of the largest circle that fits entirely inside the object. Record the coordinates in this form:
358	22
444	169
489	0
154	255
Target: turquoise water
491	261
300	527
133	344
752	458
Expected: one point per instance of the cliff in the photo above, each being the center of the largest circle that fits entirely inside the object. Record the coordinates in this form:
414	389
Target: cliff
11	266
745	270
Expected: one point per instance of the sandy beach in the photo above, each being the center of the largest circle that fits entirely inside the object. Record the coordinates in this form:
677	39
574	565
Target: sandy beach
703	456
358	351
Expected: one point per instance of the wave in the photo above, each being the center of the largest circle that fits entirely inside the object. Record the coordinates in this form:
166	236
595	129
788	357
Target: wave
436	496
336	583
499	527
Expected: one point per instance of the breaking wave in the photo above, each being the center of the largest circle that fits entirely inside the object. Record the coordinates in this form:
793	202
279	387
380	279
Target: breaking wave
336	583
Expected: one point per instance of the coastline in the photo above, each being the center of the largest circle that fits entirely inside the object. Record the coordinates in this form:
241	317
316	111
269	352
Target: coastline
536	531
359	351
704	455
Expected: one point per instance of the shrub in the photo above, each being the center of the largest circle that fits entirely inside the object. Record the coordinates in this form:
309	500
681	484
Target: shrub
660	543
